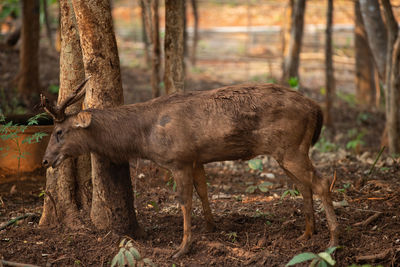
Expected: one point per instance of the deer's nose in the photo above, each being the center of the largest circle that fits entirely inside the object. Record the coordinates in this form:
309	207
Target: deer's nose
45	162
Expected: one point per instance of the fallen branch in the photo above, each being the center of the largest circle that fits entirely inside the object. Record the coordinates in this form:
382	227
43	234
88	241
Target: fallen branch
373	257
11	263
368	220
5	225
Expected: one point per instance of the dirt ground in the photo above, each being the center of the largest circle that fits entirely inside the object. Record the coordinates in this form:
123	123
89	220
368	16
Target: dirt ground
253	229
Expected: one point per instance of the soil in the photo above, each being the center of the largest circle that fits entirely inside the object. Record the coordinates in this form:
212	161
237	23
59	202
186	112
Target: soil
253	229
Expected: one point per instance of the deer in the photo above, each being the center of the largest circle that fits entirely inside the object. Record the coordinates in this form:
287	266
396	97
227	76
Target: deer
183	131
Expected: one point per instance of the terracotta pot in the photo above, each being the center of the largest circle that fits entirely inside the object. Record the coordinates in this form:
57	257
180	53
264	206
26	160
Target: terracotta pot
34	152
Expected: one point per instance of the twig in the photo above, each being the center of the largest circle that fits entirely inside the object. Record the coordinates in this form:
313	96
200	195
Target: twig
4	226
11	263
333	182
379	256
368	220
376	160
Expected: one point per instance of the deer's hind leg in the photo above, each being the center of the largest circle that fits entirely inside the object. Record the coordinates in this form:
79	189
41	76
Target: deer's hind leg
199	180
299	167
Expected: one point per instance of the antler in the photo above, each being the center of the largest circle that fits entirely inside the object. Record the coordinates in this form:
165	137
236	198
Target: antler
58	112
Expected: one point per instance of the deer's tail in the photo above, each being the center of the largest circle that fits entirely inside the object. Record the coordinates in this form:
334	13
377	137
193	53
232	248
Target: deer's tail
318	126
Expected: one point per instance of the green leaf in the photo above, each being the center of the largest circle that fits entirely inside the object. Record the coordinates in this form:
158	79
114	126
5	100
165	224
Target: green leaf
149	262
327	258
330	250
114	261
255	164
135	253
301	258
322	263
251	189
264	187
129	258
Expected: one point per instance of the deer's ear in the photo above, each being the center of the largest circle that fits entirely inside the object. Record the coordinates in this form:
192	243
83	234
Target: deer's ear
82	120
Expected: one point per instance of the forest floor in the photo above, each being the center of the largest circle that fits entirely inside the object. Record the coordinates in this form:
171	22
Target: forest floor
253	228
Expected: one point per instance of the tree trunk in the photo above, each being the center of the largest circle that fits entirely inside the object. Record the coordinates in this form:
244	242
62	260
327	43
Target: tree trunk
285	31
329	74
392	80
148	28
195	33
145	37
376	32
174	73
47	22
155	78
28	77
68	187
365	72
112	200
291	62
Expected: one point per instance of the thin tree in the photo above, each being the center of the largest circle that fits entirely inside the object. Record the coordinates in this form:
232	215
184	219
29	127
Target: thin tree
292	60
329	72
100	56
174	43
147	30
156	62
193	55
365	71
73	175
28	76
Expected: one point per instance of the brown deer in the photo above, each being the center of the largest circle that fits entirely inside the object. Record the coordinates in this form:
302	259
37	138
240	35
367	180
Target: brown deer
183	131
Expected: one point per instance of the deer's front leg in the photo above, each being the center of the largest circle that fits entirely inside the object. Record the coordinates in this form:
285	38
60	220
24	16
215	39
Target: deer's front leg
184	184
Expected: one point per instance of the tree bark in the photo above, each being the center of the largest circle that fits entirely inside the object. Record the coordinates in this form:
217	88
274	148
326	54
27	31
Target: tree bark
28	77
112	200
174	28
155	78
376	31
392	80
292	60
365	72
329	72
68	187
145	31
195	33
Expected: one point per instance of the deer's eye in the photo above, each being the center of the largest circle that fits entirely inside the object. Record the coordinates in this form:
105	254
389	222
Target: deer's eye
58	134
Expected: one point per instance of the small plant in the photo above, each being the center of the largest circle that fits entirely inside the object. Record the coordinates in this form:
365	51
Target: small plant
321	259
54	89
255	164
11	131
263	187
171	182
264	215
344	189
129	256
290	192
357	139
294	83
232	236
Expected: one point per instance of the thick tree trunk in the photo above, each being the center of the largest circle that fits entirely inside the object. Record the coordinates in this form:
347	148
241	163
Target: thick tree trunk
155	78
376	31
195	33
68	187
174	73
329	74
292	60
112	201
365	72
28	77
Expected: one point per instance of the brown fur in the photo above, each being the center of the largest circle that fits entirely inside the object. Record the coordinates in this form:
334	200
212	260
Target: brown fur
181	132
